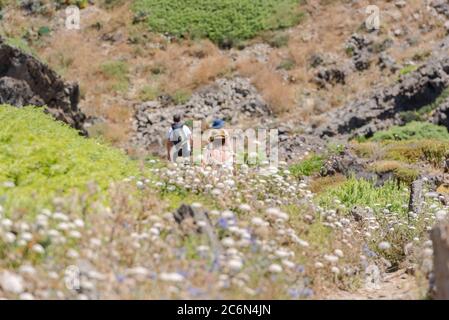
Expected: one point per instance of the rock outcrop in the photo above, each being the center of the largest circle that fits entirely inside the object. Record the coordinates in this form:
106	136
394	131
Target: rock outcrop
386	106
440	116
24	80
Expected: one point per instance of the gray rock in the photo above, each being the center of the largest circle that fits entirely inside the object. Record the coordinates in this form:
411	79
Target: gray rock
17	93
416	196
388	63
361	49
440	116
440	6
32	6
330	76
383	107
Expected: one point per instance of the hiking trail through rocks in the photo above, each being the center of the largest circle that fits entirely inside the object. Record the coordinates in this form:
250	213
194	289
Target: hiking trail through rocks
394	286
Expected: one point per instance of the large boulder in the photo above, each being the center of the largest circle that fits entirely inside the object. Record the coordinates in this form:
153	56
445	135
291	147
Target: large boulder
24	80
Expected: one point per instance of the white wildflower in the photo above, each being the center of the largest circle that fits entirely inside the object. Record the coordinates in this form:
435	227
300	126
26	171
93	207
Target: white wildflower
60	216
27	269
281	253
227	214
73	254
171	277
289	264
228	242
6	223
258	221
11	282
75	234
79	223
26	296
38	248
63	226
338	253
335	270
331	258
245	207
384	245
235	264
9	237
275	268
138	271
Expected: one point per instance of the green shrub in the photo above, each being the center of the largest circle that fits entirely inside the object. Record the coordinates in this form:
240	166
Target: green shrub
413	130
402	171
181	96
148	93
117	72
41	158
4	3
21	44
82	4
411	151
223	21
43	31
276	40
308	166
407	69
287	64
363	193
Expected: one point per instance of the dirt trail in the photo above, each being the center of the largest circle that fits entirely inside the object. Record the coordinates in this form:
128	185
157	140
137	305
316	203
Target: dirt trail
394	286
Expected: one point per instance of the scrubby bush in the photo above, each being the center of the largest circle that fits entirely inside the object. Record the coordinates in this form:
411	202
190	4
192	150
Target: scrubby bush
308	166
363	193
432	151
413	130
117	73
407	70
225	21
41	158
3	3
21	44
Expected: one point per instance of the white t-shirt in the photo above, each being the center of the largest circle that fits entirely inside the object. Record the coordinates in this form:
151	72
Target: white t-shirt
184	146
185	129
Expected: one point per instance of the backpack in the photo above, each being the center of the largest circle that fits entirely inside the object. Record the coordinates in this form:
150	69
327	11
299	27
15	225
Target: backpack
177	136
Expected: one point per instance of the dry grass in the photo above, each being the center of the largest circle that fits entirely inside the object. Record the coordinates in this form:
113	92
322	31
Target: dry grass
278	94
179	68
320	184
386	165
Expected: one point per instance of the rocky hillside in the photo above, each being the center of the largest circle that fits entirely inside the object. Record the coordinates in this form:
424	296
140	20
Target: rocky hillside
362	117
24	80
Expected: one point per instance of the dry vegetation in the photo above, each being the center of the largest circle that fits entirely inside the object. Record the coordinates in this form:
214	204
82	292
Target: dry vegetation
159	65
118	64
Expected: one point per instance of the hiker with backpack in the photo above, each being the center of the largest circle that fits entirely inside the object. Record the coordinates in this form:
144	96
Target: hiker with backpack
179	140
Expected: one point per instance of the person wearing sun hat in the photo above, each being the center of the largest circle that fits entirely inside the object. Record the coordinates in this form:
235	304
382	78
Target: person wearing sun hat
218	151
